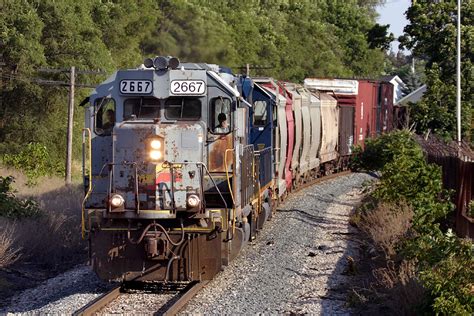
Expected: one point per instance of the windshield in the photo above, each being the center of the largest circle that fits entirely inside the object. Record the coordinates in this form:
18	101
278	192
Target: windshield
175	108
144	108
183	109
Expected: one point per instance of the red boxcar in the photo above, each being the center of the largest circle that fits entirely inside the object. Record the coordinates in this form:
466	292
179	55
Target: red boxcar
366	110
347	126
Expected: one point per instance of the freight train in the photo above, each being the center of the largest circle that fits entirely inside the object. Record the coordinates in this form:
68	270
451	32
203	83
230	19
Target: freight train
184	162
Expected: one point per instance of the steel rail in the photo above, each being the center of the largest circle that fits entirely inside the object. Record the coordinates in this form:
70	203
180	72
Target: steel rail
321	179
170	308
182	300
97	304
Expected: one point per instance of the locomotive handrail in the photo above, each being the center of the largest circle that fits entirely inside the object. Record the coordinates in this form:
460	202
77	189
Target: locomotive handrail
230	187
210	177
207	172
89	187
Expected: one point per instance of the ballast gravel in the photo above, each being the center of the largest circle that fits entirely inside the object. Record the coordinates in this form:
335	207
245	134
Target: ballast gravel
61	295
300	262
141	304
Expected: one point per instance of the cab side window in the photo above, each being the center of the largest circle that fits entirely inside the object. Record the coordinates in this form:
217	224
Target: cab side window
104	116
221	119
260	113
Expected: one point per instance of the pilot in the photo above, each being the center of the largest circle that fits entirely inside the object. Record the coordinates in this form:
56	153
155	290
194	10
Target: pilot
110	121
223	126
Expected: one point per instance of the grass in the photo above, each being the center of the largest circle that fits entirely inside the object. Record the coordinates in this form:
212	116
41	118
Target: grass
52	240
8	253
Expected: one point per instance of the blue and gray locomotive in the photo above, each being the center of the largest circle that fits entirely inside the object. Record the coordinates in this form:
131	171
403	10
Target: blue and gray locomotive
176	178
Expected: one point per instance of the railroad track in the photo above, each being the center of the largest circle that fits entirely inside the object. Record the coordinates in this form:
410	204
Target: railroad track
182	293
322	179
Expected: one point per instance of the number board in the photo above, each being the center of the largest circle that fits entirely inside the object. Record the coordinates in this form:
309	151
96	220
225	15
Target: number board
188	87
136	86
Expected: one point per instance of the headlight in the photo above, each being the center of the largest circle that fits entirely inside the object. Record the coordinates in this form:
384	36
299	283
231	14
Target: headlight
155	144
155	155
193	200
117	200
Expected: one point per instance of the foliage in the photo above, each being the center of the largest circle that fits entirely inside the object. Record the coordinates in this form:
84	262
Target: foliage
444	262
34	160
470	209
431	35
13	207
384	149
378	37
295	39
447	270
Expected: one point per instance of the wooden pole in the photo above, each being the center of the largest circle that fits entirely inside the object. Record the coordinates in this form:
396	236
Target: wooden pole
70	125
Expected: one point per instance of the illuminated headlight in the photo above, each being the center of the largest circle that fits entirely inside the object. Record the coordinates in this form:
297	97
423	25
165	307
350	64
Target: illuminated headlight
155	144
117	200
193	200
155	155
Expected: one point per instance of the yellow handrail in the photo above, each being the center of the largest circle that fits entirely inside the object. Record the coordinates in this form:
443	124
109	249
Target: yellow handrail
230	188
89	188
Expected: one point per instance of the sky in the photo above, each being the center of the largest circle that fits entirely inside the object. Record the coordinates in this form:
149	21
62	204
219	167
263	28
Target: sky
392	12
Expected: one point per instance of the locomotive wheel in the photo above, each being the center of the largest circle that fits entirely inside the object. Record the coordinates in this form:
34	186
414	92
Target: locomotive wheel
273	206
241	236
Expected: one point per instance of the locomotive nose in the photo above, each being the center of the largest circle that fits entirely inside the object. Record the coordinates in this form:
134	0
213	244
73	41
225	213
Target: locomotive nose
156	167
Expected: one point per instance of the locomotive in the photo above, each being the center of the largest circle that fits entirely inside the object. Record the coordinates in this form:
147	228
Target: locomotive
184	162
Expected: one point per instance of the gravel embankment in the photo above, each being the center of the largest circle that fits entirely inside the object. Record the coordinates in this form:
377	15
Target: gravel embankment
61	295
297	264
300	262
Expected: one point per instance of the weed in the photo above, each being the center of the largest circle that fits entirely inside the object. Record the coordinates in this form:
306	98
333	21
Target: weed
8	253
52	239
387	225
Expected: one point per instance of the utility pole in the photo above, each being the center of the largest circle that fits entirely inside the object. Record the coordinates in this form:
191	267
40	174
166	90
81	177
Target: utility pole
458	73
70	115
70	124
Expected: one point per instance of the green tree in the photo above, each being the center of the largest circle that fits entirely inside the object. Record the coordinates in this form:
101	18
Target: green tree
431	35
378	37
297	39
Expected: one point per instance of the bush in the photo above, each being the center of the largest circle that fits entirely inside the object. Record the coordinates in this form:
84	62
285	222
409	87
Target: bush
384	149
33	160
13	207
445	263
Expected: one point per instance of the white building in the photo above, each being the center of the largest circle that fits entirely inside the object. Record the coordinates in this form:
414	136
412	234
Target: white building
413	97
